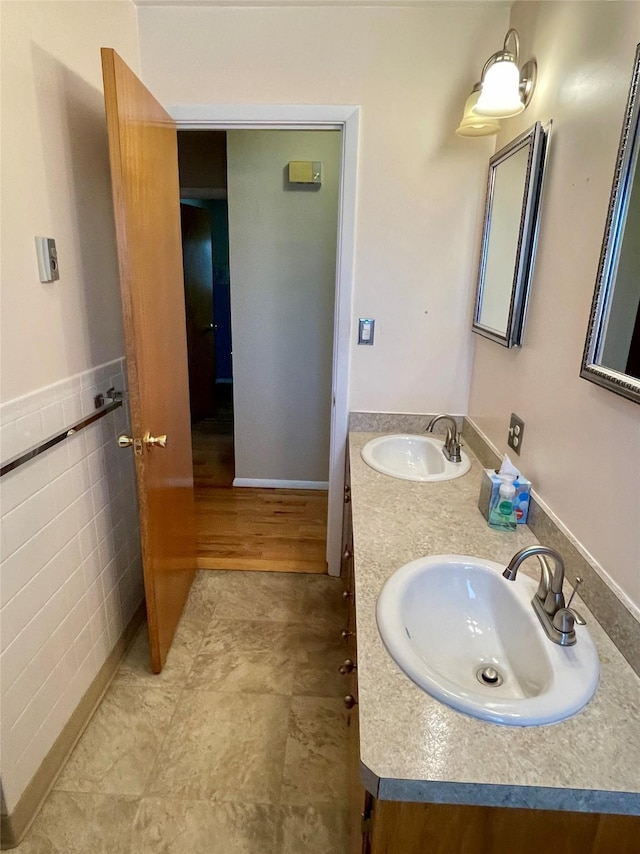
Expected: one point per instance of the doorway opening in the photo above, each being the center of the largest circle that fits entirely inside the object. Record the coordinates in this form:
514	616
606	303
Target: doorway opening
205	251
260	270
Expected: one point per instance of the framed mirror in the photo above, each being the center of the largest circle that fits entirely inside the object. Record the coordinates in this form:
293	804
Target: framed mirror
612	351
509	237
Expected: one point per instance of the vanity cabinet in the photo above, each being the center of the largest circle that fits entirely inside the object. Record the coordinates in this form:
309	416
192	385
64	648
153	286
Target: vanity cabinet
396	827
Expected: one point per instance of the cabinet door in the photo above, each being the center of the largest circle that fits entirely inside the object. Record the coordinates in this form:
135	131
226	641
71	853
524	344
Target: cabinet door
406	828
360	801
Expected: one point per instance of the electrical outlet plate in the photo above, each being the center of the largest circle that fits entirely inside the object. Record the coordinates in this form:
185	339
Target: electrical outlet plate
516	432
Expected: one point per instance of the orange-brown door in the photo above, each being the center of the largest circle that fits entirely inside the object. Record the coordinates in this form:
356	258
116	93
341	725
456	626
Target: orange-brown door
144	176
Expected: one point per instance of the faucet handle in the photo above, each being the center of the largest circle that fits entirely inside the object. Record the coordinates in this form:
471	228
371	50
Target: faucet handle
580	620
575	590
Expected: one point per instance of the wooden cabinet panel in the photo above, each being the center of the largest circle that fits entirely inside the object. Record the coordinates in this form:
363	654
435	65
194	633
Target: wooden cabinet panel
406	828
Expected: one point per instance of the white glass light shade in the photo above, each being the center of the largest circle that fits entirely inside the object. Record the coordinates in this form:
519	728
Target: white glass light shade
473	125
500	95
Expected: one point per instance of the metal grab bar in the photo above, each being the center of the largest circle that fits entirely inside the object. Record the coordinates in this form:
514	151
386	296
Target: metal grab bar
36	450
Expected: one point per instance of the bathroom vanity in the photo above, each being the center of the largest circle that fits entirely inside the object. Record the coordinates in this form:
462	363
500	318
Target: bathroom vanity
427	778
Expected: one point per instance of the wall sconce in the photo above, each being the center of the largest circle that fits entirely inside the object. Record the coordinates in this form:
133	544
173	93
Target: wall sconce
504	90
472	124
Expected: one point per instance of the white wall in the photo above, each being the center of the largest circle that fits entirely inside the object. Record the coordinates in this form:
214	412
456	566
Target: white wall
70	574
420	187
282	258
582	443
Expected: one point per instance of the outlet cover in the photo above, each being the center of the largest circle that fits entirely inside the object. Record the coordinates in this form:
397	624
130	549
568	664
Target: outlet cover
516	432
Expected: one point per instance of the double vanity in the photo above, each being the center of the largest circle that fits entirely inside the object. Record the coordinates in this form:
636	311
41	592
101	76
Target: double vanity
473	730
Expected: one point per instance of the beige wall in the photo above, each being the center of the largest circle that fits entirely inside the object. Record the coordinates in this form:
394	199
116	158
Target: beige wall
55	183
582	444
282	258
420	188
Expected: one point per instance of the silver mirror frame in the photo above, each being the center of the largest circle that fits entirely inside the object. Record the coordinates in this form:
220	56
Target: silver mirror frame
615	381
537	139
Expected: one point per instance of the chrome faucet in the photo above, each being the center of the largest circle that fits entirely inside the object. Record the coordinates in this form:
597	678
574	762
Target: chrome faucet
451	447
548	603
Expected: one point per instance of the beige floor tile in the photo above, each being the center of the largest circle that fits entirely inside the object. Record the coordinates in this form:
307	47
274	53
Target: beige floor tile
136	670
202	757
324	604
164	826
119	747
319	652
312	830
73	823
315	770
224	747
277	596
249	656
201	604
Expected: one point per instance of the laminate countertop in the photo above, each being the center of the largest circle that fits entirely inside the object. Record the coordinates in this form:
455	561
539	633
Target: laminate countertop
414	748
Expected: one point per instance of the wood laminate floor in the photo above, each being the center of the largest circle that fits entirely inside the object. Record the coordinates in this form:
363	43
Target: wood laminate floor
279	530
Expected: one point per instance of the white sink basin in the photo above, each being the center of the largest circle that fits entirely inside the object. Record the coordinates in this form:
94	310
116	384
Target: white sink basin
413	458
446	618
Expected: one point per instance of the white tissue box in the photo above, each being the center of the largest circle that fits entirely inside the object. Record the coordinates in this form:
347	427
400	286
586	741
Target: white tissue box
489	487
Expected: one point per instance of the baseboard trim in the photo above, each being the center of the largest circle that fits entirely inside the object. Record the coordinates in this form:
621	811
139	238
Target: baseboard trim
317	567
14	826
281	484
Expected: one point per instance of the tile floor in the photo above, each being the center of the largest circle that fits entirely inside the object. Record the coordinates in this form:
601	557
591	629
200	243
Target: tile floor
239	746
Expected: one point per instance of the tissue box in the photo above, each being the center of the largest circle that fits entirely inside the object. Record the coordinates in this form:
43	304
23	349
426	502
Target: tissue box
489	487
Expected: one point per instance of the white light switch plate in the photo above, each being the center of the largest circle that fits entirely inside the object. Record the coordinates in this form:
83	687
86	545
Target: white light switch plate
366	328
47	259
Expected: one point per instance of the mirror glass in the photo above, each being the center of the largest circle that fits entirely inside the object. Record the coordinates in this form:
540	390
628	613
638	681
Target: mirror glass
612	351
509	235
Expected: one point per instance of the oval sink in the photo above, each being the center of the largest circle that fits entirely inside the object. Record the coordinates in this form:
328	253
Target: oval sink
471	639
411	457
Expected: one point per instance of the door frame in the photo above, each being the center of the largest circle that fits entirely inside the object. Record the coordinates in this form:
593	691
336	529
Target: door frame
345	118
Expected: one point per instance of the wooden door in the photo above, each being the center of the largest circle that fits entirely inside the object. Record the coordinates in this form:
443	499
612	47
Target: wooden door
144	176
198	293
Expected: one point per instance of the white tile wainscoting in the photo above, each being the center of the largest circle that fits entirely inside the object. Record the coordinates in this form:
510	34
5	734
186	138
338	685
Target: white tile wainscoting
71	575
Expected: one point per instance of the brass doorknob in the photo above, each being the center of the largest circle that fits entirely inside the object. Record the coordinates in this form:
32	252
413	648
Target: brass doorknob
125	441
150	441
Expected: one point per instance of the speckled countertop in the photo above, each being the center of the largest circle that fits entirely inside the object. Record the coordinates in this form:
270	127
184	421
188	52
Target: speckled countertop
414	748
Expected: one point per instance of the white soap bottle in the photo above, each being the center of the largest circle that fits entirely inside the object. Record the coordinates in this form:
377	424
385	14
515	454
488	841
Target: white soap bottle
502	514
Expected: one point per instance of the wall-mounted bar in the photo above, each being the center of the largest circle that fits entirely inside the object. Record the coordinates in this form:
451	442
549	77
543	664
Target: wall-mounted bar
36	450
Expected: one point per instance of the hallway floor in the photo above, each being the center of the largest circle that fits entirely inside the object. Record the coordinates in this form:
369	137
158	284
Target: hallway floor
238	747
250	528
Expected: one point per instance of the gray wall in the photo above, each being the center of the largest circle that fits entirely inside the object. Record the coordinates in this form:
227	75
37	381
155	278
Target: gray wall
282	251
